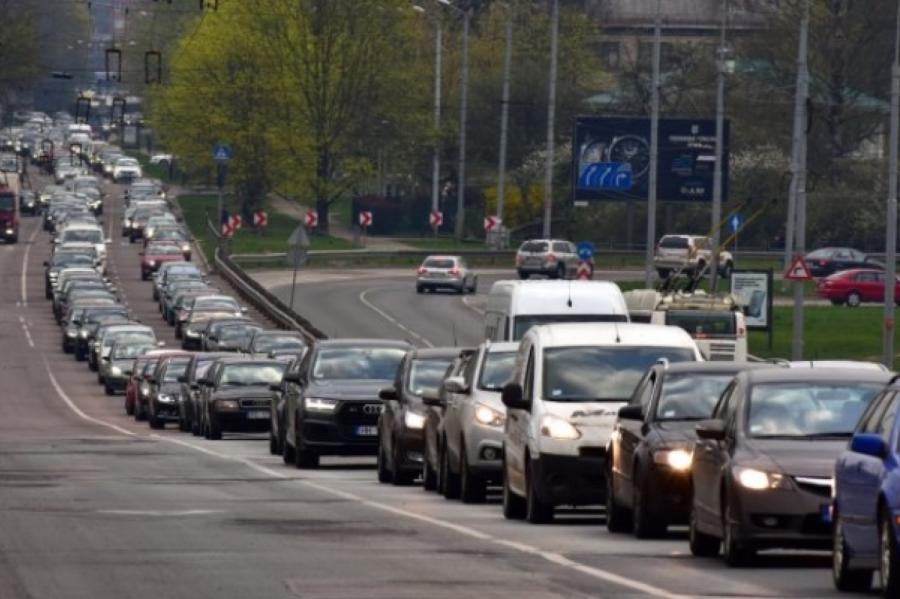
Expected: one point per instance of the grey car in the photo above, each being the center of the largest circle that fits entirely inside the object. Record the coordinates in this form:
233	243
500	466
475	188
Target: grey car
446	272
553	258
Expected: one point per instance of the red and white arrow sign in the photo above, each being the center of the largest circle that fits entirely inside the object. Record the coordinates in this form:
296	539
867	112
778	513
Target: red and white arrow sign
312	219
365	218
260	219
436	219
227	231
583	270
235	223
798	270
491	223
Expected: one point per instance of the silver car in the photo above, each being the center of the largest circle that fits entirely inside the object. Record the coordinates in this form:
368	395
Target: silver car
554	258
446	272
474	420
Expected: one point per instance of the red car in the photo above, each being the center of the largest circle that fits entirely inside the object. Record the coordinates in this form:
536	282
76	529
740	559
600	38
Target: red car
853	287
158	253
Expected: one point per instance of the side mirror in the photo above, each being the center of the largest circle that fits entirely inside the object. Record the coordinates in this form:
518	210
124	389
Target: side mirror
435	402
868	444
292	377
711	430
388	394
513	397
456	384
631	413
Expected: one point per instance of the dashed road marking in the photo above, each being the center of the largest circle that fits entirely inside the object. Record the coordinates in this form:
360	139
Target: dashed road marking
363	297
25	266
476	309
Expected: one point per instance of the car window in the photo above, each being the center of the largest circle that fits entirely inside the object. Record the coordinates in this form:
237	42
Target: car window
646	391
357	363
674	243
869	420
536	247
425	376
439	263
690	396
561	247
497	370
886	422
857	256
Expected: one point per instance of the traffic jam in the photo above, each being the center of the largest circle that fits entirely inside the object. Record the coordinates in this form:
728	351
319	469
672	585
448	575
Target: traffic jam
580	395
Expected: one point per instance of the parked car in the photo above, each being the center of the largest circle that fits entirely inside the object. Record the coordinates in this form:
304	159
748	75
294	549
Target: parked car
829	260
446	272
554	258
855	286
689	254
866	500
763	465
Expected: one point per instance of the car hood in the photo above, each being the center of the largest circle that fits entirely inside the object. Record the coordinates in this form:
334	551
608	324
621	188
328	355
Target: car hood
813	458
344	389
254	391
170	388
163	258
676	431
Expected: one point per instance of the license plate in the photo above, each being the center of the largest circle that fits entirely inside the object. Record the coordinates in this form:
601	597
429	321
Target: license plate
257	415
367	431
825	513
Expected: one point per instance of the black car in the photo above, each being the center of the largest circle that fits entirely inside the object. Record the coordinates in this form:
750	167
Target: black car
237	395
227	334
402	421
84	322
650	454
61	260
29	203
763	467
276	411
331	398
165	397
189	410
826	261
433	432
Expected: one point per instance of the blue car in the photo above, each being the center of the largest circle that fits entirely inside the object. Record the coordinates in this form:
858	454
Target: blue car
866	508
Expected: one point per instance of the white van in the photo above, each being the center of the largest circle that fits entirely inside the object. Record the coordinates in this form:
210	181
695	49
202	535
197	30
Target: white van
515	306
568	385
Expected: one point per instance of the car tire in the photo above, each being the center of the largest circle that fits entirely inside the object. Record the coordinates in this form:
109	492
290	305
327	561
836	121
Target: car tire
513	505
646	524
854	299
727	270
889	573
144	276
183	424
195	427
845	578
523	275
618	518
449	480
663	273
536	511
107	388
213	428
129	408
139	415
736	554
399	478
472	488
419	289
155	423
384	474
287	453
474	288
429	476
304	458
701	544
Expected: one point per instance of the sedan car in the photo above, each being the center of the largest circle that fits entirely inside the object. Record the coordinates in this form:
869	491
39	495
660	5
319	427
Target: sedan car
764	463
331	398
867	501
156	254
265	342
829	260
554	258
651	451
855	286
165	398
189	419
236	395
446	272
228	334
400	425
121	362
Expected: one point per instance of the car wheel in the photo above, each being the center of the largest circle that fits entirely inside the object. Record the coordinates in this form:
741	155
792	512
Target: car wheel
536	511
854	299
139	415
836	302
701	544
618	518
195	426
726	271
398	476
287	453
129	407
155	422
846	579
384	475
303	457
472	488
419	289
523	275
646	524
449	480
429	476
513	505
183	424
213	428
108	389
736	554
890	558
143	276
474	287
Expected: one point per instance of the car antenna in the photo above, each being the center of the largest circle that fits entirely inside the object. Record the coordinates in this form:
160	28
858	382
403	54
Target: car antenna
569	302
618	338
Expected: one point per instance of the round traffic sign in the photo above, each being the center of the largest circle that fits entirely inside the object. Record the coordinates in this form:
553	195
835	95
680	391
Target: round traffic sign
585	250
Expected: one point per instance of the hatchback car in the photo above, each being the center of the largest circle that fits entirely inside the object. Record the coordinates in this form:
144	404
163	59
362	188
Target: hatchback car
445	272
554	258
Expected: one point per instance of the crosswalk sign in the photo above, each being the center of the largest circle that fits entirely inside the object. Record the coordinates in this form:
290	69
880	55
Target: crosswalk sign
222	153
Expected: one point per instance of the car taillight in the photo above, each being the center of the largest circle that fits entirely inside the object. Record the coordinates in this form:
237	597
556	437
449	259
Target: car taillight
550	258
454	272
422	270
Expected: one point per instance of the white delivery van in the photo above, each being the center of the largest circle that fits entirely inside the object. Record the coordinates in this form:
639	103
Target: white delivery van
515	306
562	403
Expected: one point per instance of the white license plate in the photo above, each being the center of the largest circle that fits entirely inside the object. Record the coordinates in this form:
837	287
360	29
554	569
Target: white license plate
367	431
257	415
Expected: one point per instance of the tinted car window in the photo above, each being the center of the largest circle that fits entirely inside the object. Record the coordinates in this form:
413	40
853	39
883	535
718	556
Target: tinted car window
174	369
357	363
676	243
497	370
690	396
439	263
425	376
268	343
804	409
537	247
237	375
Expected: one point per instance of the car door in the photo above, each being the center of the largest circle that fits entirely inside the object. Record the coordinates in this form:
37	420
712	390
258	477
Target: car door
392	410
707	462
868	286
630	434
456	404
517	427
294	398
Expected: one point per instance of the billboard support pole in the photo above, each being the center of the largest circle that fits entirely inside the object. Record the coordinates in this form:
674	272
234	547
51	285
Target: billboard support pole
504	119
654	148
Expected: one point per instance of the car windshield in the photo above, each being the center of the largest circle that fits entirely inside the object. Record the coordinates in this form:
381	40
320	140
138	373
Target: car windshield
439	263
674	243
163	250
7	202
690	396
357	363
497	370
105	317
601	373
425	376
133	337
267	343
823	254
83	235
535	247
126	162
523	323
703	323
236	331
242	375
174	369
68	259
129	351
808	408
202	303
168	234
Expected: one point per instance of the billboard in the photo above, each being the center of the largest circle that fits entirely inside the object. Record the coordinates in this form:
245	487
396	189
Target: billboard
612	159
752	291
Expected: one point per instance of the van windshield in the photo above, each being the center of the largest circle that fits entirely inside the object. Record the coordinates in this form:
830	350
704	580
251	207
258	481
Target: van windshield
523	323
601	373
702	324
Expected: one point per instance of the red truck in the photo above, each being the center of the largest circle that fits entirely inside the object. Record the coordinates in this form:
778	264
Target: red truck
9	207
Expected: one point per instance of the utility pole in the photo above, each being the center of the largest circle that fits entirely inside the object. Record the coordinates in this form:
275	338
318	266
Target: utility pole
798	170
720	133
551	120
504	120
463	118
654	147
890	254
436	159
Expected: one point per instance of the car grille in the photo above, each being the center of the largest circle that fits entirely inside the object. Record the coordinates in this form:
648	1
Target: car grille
817	486
353	414
256	403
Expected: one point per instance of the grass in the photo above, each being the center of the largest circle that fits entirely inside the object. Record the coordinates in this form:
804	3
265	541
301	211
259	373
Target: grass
778	288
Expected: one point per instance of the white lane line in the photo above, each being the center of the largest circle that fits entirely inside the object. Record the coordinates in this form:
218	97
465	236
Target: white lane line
363	297
550	556
476	309
27	332
25	267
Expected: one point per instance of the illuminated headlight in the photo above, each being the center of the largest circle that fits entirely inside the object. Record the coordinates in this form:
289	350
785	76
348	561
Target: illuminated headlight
166	398
145	389
557	428
186	248
413	420
227	405
83	334
757	480
115	371
71	333
128	222
316	404
9	231
149	232
151	263
488	416
676	459
192	333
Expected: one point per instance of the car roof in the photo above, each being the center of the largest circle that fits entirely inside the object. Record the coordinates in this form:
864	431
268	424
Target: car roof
437	352
502	346
323	343
611	334
714	367
840	364
560	297
815	375
243	359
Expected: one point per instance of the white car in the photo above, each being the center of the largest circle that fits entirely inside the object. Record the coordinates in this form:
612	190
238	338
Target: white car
126	169
562	402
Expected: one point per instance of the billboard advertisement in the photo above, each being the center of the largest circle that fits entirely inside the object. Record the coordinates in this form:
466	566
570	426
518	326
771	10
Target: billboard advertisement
612	159
752	291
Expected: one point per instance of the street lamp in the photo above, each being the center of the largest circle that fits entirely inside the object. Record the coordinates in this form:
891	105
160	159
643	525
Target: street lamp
438	68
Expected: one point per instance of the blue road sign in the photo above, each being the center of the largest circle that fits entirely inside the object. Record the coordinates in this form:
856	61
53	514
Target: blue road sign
606	175
222	153
735	223
585	251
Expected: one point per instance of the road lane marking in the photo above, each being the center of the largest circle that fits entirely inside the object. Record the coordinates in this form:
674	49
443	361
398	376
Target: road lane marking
363	297
465	302
160	513
27	332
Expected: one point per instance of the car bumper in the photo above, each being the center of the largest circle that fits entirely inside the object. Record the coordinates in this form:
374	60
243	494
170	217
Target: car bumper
435	282
570	480
329	436
118	383
484	449
411	447
783	518
669	494
241	421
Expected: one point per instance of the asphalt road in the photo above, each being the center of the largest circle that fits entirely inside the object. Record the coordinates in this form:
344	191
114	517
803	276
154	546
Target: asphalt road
96	506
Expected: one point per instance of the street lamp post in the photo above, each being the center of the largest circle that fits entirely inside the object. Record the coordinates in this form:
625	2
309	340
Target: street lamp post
890	254
463	120
654	147
720	127
551	120
504	121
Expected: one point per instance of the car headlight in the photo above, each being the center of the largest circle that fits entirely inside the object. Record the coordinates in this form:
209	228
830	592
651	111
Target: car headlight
557	428
186	248
677	459
413	420
227	404
9	231
757	480
149	232
145	389
115	371
317	404
151	263
165	398
128	222
71	333
192	333
83	334
488	416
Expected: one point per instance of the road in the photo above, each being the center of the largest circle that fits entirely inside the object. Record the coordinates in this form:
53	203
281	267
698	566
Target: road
96	506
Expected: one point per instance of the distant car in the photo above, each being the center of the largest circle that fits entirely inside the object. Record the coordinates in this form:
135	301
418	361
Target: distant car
446	272
867	499
554	258
227	334
126	169
157	254
264	342
122	359
854	287
189	416
763	466
690	254
164	401
161	158
826	261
